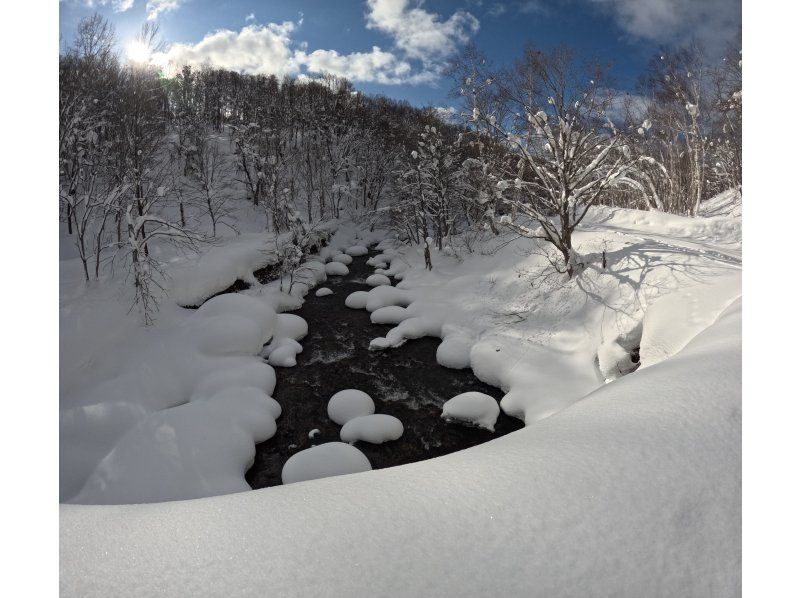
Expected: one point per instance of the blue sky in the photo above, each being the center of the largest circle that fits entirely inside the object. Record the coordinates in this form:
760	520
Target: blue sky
397	47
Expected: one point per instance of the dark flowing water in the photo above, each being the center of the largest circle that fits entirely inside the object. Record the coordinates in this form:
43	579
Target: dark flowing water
405	382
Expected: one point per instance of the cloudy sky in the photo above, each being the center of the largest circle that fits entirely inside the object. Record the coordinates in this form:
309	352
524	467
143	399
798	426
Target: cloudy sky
398	47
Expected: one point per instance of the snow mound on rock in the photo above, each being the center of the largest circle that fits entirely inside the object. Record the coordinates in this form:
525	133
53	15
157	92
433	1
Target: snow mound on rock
474	408
251	373
336	269
248	393
377	280
257	311
348	404
290	326
343	258
283	353
227	335
323	292
375	429
391	314
325	460
454	352
357	300
357	250
383	296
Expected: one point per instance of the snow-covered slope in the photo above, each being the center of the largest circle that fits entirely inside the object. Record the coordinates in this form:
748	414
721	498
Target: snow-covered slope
634	491
621	484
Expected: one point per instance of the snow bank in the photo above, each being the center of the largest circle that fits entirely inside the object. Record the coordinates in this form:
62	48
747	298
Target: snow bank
672	320
547	341
195	280
473	408
161	459
178	414
219	267
350	403
375	429
323	461
634	491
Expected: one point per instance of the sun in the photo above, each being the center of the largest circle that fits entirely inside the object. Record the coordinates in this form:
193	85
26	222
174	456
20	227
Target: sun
138	52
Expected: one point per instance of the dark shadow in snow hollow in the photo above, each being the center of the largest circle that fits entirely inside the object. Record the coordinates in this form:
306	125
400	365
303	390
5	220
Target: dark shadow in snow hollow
405	382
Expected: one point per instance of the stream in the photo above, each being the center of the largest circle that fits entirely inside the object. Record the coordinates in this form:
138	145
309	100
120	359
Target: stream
405	382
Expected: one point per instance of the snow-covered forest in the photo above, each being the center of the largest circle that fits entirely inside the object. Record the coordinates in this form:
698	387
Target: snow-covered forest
308	331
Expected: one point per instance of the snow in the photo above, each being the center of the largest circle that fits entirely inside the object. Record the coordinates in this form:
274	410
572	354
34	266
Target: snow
343	258
474	408
219	267
290	326
391	314
349	403
636	489
325	460
578	334
627	487
192	281
336	269
357	250
323	292
125	387
249	308
357	300
454	351
376	280
375	429
283	352
150	463
727	203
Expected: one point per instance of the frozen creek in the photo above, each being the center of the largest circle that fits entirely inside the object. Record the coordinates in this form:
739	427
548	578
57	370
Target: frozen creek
405	382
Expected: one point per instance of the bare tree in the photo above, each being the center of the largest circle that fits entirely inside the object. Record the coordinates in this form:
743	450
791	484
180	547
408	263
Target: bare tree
570	152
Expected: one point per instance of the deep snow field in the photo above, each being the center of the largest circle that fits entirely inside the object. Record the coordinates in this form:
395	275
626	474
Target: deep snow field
625	480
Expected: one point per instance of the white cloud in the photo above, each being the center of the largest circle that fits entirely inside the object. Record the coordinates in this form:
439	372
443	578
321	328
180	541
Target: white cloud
156	7
256	49
117	5
376	66
497	9
250	17
418	33
268	50
713	22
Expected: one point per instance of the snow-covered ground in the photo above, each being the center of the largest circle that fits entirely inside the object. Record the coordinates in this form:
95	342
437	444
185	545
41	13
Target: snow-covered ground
621	484
172	411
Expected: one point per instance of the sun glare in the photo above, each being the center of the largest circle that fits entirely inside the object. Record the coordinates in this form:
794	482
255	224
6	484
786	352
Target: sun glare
138	52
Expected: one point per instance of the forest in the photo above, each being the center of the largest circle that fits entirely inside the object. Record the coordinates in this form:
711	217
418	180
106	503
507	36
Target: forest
152	157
